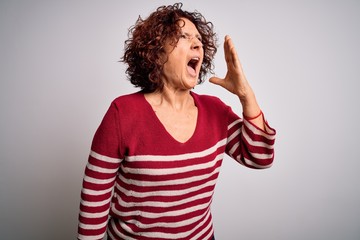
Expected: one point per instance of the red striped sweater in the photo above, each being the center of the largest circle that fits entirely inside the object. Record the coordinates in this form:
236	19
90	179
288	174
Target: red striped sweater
140	183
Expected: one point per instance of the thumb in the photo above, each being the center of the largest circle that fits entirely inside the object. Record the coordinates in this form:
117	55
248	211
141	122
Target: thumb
216	80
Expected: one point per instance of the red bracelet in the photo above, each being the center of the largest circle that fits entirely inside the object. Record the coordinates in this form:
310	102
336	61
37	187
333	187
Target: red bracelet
252	118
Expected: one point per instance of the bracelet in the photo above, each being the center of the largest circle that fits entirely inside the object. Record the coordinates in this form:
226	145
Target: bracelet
252	118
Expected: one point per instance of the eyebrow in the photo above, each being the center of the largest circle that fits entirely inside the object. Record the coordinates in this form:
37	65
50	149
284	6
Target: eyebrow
197	35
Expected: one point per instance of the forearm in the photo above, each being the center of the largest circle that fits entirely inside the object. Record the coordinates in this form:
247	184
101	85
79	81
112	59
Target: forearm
251	109
250	145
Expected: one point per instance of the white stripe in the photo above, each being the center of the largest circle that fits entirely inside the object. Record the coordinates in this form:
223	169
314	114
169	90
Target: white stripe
163	204
170	158
164	192
197	236
233	135
256	143
100	169
251	163
96	192
180	234
166	171
166	224
207	236
201	225
261	156
94	215
238	159
167	182
110	235
234	147
118	233
172	235
162	214
95	204
98	181
258	131
83	237
92	226
104	158
172	182
234	122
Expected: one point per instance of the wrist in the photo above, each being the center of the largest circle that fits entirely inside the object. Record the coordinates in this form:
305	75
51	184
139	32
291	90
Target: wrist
252	117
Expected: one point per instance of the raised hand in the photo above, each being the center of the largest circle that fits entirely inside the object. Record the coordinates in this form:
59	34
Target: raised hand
236	83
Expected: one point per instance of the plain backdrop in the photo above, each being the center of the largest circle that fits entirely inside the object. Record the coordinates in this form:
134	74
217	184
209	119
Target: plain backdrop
60	69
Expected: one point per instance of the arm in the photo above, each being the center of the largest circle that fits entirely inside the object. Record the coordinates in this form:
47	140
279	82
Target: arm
99	179
248	144
236	82
250	141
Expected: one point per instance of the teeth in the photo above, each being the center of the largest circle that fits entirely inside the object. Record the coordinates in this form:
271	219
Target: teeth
195	58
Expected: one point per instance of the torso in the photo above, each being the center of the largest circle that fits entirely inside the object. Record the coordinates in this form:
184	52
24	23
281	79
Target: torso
167	175
180	124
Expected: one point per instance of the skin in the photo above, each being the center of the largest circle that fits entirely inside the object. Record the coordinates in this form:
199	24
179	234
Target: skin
174	106
235	82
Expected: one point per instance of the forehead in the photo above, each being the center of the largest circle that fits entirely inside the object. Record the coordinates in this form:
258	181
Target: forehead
187	26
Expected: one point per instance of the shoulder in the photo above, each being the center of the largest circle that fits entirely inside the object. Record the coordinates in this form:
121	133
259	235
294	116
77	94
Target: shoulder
208	101
136	96
128	101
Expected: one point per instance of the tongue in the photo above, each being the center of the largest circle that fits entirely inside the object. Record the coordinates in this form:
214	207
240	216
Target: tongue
191	71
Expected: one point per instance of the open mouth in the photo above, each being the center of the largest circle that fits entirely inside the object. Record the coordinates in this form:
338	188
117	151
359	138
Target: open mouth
194	62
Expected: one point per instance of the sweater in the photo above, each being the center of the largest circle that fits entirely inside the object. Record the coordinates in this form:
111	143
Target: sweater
141	183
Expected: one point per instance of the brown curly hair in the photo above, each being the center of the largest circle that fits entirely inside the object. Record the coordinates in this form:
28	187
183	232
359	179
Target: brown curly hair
147	38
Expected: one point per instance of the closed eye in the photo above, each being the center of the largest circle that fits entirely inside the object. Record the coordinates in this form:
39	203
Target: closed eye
189	37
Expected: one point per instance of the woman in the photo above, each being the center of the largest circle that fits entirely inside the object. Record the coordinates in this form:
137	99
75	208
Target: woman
156	155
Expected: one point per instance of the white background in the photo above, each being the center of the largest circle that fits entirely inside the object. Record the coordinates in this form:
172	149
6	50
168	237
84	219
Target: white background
59	71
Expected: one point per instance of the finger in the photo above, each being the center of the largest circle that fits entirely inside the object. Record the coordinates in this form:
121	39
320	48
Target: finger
217	81
227	50
232	54
235	59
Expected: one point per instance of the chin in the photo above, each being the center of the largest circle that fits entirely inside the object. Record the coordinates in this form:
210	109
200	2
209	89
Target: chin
190	85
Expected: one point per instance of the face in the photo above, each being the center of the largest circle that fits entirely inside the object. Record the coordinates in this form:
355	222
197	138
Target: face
181	71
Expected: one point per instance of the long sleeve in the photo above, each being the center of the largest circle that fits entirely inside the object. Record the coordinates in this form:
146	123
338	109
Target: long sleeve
99	178
248	144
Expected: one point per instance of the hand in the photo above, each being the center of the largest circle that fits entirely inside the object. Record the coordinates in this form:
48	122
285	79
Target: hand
235	80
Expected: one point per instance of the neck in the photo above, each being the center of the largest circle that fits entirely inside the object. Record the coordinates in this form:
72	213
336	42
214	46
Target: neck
176	99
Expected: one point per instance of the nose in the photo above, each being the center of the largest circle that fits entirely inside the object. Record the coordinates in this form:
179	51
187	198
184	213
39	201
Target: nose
196	43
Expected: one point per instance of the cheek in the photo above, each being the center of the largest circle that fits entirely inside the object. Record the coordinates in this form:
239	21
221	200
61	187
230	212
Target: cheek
174	63
170	70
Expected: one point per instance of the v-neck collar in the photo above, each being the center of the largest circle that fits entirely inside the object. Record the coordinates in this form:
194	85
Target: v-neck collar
157	121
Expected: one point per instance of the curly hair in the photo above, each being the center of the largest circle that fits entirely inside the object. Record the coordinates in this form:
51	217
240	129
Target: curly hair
147	38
